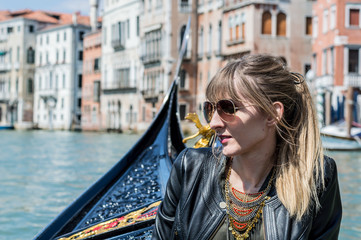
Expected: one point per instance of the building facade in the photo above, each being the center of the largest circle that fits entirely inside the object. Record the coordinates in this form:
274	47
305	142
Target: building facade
58	74
336	57
17	66
91	87
121	68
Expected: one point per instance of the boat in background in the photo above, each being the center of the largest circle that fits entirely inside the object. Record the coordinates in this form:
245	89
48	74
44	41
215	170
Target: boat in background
6	127
337	137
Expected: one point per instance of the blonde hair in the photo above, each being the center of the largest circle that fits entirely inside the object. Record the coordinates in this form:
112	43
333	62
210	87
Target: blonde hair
263	80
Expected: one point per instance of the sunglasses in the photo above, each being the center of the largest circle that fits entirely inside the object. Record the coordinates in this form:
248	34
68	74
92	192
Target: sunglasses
225	109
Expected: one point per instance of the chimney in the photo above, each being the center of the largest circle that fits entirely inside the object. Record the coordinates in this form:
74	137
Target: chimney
75	18
93	14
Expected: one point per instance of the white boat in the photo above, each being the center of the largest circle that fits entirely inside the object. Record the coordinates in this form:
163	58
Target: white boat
335	137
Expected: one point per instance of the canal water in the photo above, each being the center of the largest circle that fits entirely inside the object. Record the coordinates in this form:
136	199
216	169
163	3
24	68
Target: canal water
41	172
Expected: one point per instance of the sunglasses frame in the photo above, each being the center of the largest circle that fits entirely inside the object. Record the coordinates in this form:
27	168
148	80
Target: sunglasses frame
215	108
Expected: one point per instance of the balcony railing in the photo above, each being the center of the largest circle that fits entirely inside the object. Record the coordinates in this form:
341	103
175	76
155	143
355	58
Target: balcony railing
351	80
185	7
119	85
151	94
4	96
324	81
4	67
150	58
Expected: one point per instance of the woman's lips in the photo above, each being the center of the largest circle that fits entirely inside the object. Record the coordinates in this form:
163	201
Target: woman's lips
223	139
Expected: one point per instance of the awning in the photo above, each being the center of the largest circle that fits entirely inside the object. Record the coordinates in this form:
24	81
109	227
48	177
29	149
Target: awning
2	53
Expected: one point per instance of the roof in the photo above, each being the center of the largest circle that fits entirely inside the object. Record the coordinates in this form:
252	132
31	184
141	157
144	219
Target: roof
56	18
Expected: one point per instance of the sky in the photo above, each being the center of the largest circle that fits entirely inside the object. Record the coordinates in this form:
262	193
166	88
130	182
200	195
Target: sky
67	6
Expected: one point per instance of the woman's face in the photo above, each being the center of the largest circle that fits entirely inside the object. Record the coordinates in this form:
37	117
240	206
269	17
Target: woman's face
249	130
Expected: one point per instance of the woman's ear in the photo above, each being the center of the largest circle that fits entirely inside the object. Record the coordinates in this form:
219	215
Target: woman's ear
278	106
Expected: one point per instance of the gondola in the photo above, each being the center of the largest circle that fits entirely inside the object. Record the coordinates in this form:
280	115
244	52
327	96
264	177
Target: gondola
123	203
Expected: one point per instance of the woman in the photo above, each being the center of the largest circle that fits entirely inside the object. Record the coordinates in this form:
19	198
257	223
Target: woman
270	179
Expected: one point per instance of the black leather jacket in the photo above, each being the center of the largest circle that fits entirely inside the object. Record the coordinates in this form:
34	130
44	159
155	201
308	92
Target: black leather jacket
191	210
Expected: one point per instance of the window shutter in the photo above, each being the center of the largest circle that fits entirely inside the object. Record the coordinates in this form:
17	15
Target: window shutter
266	23
354	17
281	24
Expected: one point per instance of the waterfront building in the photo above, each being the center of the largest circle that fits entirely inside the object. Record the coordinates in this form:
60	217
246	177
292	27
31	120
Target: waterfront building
121	68
91	112
91	87
210	40
17	58
58	74
336	57
281	28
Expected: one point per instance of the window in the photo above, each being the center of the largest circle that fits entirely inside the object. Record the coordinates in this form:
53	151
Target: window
324	62
209	40
243	26
182	111
128	29
97	64
333	17
307	67
118	35
31	28
30	86
10	30
200	43
47	39
30	57
230	27
62	103
80	80
80	55
354	17
182	79
79	102
64	56
353	62
183	29
81	36
138	26
281	24
64	85
325	21
315	27
267	23
96	91
18	54
122	78
308	26
64	36
219	45
39	82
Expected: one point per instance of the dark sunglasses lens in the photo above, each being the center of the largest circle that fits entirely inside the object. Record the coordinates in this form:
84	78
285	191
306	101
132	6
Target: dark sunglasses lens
226	106
207	111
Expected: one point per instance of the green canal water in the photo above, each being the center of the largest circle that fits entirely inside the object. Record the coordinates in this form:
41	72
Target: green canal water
41	172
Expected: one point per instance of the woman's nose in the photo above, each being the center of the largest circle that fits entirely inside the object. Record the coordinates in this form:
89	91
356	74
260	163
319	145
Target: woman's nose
216	121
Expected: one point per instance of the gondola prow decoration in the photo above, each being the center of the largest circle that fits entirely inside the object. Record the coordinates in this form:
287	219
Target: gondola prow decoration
205	131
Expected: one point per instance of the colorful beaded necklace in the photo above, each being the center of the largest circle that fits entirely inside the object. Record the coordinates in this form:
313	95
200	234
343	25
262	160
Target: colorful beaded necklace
244	210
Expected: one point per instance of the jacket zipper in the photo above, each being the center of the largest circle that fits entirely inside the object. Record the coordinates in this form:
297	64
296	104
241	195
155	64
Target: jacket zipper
219	226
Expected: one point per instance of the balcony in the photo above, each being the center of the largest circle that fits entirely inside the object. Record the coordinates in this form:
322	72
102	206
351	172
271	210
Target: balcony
151	94
118	44
185	7
5	67
123	86
48	93
4	96
352	80
324	81
151	58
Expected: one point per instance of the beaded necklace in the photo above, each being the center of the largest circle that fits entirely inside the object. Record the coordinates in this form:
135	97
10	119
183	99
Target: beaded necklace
244	210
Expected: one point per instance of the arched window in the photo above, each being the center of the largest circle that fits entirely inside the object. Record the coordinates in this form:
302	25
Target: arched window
266	23
281	24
